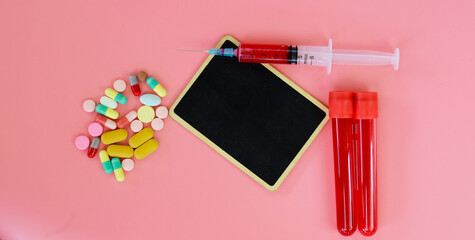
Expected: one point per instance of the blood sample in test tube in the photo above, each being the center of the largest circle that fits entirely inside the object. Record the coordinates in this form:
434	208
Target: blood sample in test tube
365	115
341	114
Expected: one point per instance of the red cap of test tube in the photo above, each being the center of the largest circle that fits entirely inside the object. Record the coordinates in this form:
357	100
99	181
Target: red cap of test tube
366	105
341	104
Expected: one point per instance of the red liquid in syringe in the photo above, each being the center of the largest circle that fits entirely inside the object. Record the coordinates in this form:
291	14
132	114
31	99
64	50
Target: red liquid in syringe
281	54
260	53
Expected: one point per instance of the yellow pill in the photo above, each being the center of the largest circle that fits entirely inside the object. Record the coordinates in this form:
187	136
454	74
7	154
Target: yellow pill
158	88
146	114
118	172
149	147
108	112
106	163
121	151
114	136
141	137
116	96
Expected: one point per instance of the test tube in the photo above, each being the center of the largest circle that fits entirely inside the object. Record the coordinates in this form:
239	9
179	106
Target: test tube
366	113
341	114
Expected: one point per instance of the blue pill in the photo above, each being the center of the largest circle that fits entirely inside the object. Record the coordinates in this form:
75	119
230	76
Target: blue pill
150	100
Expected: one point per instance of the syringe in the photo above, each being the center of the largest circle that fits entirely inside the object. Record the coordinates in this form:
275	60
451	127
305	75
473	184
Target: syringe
307	55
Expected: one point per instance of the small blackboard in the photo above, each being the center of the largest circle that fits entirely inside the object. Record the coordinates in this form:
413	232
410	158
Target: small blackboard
251	114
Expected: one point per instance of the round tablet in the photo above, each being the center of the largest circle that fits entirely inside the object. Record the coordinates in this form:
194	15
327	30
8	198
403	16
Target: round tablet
142	76
162	112
95	129
128	164
157	124
120	85
89	105
136	126
146	114
82	142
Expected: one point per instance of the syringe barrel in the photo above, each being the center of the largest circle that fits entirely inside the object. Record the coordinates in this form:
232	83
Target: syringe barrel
365	58
264	53
313	55
284	54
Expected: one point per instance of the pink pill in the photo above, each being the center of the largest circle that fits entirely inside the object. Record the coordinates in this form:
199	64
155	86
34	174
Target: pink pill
157	124
82	142
128	164
95	129
120	85
89	105
136	126
161	112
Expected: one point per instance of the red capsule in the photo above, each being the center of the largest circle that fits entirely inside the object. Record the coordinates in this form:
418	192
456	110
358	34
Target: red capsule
92	150
134	84
126	119
106	121
136	90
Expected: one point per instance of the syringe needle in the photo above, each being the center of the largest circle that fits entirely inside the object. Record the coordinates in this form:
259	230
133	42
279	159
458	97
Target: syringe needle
185	50
227	52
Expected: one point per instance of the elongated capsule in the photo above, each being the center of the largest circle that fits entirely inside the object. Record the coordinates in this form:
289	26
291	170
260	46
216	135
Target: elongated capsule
146	149
114	136
127	119
108	112
108	102
141	137
116	96
92	150
134	84
119	173
106	163
157	87
106	122
121	151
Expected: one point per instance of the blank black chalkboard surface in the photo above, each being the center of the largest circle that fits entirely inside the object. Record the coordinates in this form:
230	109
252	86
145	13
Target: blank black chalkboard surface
251	114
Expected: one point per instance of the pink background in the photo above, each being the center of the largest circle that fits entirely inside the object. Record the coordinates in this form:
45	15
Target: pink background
55	54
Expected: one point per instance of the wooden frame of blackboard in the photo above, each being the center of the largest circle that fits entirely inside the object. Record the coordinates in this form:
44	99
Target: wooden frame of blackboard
221	151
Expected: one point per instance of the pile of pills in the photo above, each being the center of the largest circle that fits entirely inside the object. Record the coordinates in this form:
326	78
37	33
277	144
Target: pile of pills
142	143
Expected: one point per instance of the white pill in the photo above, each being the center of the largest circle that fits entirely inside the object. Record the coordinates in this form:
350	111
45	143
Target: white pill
108	102
136	126
162	112
89	105
128	164
157	124
120	85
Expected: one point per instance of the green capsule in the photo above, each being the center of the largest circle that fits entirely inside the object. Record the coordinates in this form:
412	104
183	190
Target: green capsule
116	96
106	163
108	112
157	87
